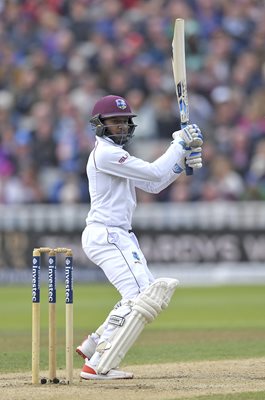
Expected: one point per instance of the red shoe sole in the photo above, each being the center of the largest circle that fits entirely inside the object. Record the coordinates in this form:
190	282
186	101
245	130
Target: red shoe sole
88	370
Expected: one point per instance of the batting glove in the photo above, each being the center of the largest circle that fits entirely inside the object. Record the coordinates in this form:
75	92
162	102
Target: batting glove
194	159
190	136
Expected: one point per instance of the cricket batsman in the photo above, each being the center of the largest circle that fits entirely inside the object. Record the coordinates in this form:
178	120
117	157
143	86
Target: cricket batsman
108	241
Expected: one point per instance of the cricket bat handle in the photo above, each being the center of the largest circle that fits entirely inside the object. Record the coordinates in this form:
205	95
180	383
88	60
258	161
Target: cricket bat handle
188	170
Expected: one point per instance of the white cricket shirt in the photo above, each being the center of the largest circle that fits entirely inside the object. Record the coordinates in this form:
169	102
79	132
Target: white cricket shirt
113	175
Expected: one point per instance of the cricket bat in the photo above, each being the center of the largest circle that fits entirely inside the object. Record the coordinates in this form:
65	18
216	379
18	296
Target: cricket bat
179	72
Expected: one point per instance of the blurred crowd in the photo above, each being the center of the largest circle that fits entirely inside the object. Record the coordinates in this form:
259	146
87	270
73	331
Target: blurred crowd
57	57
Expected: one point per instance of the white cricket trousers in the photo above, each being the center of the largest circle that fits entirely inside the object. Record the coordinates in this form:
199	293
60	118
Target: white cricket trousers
117	252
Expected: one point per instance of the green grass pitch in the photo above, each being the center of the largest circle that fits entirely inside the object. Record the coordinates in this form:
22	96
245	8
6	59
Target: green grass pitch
200	323
210	323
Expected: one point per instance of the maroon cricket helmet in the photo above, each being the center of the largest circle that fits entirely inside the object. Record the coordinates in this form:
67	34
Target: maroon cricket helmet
112	106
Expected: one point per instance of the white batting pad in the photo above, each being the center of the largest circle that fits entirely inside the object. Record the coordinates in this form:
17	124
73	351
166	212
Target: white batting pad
145	309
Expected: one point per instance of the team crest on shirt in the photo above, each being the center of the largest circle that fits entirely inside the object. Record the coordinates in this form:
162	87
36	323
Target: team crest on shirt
121	104
136	257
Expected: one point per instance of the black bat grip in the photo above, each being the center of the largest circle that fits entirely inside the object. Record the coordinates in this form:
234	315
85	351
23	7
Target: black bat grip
189	170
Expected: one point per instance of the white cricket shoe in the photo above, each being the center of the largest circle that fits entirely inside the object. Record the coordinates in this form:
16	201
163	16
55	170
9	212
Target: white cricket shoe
90	373
87	348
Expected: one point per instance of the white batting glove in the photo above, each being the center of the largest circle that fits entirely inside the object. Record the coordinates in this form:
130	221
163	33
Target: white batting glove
194	159
191	136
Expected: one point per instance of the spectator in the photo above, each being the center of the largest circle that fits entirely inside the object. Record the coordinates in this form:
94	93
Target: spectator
22	188
146	114
59	57
166	115
228	183
256	173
